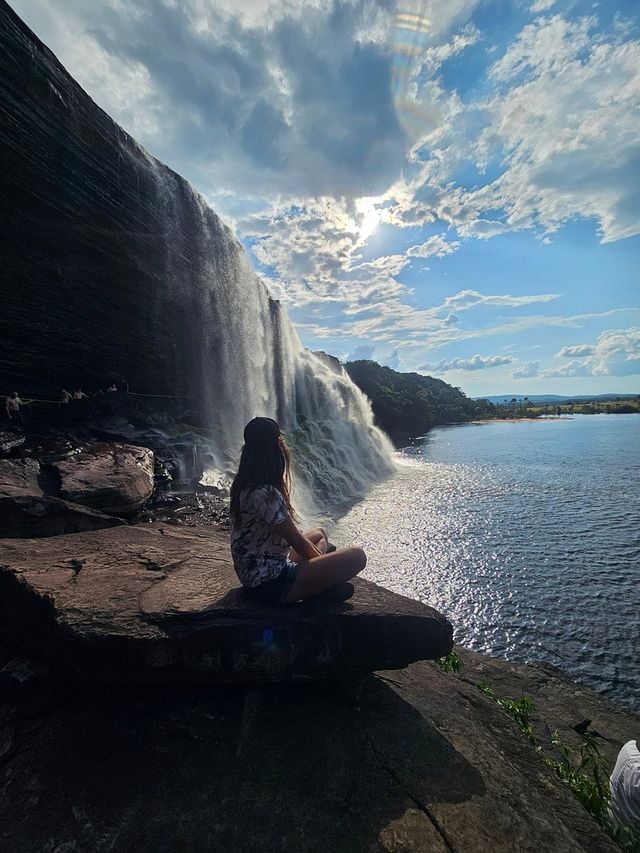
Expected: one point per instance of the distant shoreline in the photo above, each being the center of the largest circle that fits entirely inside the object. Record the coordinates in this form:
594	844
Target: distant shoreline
520	420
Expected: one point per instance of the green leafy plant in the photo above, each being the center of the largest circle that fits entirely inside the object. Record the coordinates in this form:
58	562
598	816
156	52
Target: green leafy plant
583	774
450	663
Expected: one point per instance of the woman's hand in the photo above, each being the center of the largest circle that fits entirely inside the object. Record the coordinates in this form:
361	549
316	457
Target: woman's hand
314	551
300	544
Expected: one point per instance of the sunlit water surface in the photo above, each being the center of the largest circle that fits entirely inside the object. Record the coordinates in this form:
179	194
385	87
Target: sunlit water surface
526	535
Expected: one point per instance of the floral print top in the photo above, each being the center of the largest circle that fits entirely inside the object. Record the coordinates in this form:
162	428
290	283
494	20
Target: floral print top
259	554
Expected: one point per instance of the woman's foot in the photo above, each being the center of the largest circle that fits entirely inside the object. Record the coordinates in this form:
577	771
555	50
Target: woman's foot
337	592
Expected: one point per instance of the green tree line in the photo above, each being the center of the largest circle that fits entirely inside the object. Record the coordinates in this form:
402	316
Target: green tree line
409	403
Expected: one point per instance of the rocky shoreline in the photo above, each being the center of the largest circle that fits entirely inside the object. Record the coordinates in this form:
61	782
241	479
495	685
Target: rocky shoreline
63	472
408	760
145	705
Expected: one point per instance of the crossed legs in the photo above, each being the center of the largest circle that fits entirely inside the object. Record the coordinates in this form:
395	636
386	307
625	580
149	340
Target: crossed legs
322	572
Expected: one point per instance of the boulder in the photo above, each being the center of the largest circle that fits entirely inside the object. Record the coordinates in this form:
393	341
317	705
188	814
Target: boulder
19	477
112	478
163	603
28	516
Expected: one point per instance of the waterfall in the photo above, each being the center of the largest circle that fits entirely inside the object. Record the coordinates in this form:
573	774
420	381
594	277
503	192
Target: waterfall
117	267
250	361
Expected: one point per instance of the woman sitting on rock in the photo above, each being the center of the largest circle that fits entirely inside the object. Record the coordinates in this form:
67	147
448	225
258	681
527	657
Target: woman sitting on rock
275	562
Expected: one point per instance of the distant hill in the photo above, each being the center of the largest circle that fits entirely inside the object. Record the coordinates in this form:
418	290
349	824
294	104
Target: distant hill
556	398
409	403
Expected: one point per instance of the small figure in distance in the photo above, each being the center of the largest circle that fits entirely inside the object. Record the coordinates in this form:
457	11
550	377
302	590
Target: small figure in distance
79	394
12	408
274	560
112	388
624	806
65	396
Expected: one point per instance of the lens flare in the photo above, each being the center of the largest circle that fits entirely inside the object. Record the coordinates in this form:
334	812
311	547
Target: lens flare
412	28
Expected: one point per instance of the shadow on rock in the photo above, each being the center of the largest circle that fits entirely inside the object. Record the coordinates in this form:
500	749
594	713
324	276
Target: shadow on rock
421	760
276	768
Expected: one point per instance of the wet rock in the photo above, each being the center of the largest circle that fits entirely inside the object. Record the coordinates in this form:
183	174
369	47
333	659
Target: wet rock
46	449
19	477
112	478
32	516
9	440
194	509
163	603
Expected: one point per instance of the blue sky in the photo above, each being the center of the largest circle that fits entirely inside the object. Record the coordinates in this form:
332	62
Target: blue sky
452	188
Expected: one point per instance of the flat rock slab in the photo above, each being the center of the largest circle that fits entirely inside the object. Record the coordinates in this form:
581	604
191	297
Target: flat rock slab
416	761
19	477
28	516
159	602
110	477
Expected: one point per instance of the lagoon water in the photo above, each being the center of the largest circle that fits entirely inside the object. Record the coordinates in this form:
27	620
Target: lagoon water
526	535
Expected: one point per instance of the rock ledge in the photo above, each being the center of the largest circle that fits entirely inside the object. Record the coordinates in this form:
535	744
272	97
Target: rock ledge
161	603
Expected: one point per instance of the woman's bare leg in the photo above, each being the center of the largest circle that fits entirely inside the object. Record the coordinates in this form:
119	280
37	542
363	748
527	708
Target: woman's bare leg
318	535
320	573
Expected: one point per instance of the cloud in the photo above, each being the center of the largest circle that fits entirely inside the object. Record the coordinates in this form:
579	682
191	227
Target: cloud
541	5
572	352
563	87
310	123
616	352
470	298
435	246
403	325
528	370
390	264
574	367
544	132
476	362
295	100
395	362
400	324
361	352
310	99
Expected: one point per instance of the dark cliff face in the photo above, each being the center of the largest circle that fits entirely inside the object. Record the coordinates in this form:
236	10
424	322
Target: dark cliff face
102	246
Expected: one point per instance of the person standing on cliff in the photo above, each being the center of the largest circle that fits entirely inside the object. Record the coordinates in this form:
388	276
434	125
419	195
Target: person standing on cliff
12	408
276	562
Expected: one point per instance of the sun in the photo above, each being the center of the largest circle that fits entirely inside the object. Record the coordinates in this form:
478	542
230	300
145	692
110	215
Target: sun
369	215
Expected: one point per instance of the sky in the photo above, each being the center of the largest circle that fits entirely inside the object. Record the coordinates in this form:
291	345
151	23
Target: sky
446	187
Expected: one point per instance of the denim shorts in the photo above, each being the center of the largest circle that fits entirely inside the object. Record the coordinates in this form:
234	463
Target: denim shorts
276	590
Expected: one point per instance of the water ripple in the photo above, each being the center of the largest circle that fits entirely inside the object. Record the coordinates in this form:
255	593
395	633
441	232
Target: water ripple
527	536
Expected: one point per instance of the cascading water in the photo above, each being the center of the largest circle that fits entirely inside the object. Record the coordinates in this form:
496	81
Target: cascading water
116	267
251	362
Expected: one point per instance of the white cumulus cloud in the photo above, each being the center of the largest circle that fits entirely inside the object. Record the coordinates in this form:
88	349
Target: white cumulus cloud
616	352
362	352
527	370
435	246
476	362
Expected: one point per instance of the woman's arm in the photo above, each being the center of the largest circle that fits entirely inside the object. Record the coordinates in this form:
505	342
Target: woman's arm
288	530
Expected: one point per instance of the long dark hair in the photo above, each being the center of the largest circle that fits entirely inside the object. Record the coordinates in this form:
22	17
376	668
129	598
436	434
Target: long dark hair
265	460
